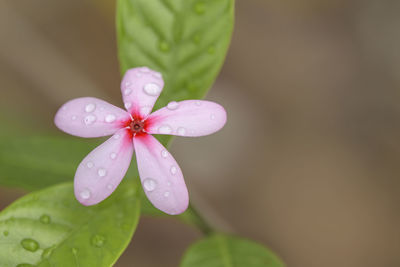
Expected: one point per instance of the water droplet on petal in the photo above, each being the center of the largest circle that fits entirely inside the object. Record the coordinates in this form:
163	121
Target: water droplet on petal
98	241
145	70
181	131
117	136
157	75
110	118
137	74
90	119
90	107
198	103
110	186
30	244
164	154
89	164
169	183
145	110
149	184
102	172
173	170
85	194
113	155
45	219
73	117
152	89
127	91
165	129
127	84
173	105
128	105
166	194
212	116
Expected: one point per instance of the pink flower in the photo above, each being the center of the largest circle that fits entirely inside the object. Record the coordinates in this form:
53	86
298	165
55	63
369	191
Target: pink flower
99	174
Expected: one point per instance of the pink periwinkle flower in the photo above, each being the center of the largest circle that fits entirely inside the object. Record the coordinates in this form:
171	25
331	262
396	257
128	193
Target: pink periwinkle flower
100	172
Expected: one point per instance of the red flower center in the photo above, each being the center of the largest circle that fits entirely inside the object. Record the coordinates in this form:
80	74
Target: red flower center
137	126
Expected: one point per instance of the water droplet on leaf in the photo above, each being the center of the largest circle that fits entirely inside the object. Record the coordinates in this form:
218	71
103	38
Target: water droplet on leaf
30	244
45	219
98	241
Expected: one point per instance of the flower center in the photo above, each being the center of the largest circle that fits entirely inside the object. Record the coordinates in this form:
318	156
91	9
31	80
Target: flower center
136	126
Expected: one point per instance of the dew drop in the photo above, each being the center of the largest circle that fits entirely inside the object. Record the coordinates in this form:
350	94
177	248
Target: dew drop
181	131
152	89
6	233
127	84
30	244
212	116
98	241
110	118
149	184
164	154
117	136
45	219
165	129
164	46
145	110
169	183
47	252
85	194
157	75
89	119
128	105
127	91
113	155
200	8
145	70
173	170
90	107
198	103
166	194
110	186
89	164
102	172
73	117
137	74
173	105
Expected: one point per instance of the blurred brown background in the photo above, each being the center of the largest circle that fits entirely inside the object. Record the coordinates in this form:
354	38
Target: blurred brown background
308	163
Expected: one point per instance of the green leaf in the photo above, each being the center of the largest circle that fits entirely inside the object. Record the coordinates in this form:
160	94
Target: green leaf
186	40
37	162
50	228
221	250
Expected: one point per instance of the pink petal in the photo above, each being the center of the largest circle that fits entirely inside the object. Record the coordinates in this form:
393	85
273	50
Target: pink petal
140	89
188	118
161	177
103	169
90	117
